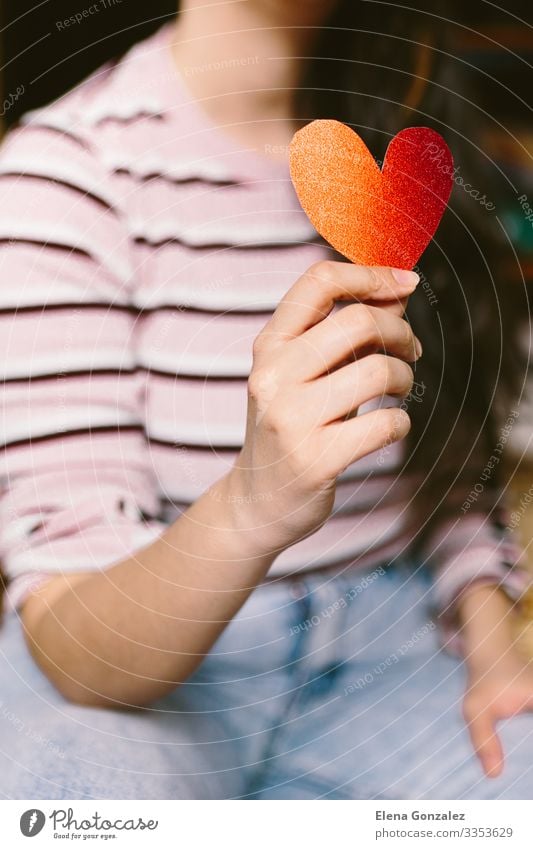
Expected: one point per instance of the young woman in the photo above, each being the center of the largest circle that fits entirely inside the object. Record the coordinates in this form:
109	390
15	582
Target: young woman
297	601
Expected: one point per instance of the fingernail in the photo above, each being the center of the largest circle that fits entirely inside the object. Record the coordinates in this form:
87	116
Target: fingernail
418	347
405	277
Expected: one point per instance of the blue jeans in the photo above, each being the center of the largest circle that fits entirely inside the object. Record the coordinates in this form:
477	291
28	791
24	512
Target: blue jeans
323	687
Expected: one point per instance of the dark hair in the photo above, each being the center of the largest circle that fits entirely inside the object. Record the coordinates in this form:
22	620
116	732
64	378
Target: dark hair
372	56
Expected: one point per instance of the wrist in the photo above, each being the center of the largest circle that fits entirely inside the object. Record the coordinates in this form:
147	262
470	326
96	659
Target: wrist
483	598
485	619
244	516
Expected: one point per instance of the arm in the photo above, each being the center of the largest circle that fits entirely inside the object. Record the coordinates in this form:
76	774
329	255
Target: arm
467	553
134	631
500	678
479	578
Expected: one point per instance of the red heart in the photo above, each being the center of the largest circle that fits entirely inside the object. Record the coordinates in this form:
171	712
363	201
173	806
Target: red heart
373	217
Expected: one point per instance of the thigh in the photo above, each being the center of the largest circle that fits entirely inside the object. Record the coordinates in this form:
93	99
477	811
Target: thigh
385	721
51	749
416	744
202	741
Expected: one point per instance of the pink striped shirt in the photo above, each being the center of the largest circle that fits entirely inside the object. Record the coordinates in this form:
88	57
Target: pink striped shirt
141	251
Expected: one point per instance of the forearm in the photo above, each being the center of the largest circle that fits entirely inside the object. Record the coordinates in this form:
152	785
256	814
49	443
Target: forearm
133	632
485	618
499	681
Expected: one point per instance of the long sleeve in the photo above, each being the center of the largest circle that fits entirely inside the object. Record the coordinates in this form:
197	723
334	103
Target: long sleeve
76	488
472	548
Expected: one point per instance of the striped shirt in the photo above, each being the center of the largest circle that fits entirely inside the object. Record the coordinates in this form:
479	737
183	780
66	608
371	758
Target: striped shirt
142	249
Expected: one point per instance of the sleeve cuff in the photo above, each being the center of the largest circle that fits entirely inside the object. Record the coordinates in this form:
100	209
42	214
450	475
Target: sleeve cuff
95	547
514	582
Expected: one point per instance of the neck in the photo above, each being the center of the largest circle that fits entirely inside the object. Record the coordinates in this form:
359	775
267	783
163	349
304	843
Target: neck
242	58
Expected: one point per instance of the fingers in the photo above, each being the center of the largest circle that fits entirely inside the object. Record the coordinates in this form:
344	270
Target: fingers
354	330
346	442
374	376
486	743
313	295
396	307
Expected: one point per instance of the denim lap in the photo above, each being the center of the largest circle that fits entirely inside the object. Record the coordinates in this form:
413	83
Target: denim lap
322	687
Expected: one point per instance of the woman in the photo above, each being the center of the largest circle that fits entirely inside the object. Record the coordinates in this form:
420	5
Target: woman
219	611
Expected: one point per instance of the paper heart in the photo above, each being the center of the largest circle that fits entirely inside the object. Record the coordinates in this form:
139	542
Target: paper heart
370	216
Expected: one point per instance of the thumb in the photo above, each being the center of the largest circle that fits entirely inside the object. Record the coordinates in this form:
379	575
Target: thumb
486	743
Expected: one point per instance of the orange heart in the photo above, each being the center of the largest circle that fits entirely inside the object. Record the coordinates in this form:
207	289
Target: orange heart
370	216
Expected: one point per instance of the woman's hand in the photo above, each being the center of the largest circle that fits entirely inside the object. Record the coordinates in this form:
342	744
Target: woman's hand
500	679
313	367
502	690
132	632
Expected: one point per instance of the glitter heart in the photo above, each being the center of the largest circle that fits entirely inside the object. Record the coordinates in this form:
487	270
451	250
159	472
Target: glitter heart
372	216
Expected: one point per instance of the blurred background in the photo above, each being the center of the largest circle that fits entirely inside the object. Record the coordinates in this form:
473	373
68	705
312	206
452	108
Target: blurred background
40	60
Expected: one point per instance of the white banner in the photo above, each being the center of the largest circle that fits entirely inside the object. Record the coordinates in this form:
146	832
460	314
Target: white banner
268	825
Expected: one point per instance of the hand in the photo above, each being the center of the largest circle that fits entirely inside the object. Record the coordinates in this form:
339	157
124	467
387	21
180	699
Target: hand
497	691
312	368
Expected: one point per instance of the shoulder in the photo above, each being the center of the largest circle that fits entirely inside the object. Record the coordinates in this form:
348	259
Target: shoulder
88	124
60	198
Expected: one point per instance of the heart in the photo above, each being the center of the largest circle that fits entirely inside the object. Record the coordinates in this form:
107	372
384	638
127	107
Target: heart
372	216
